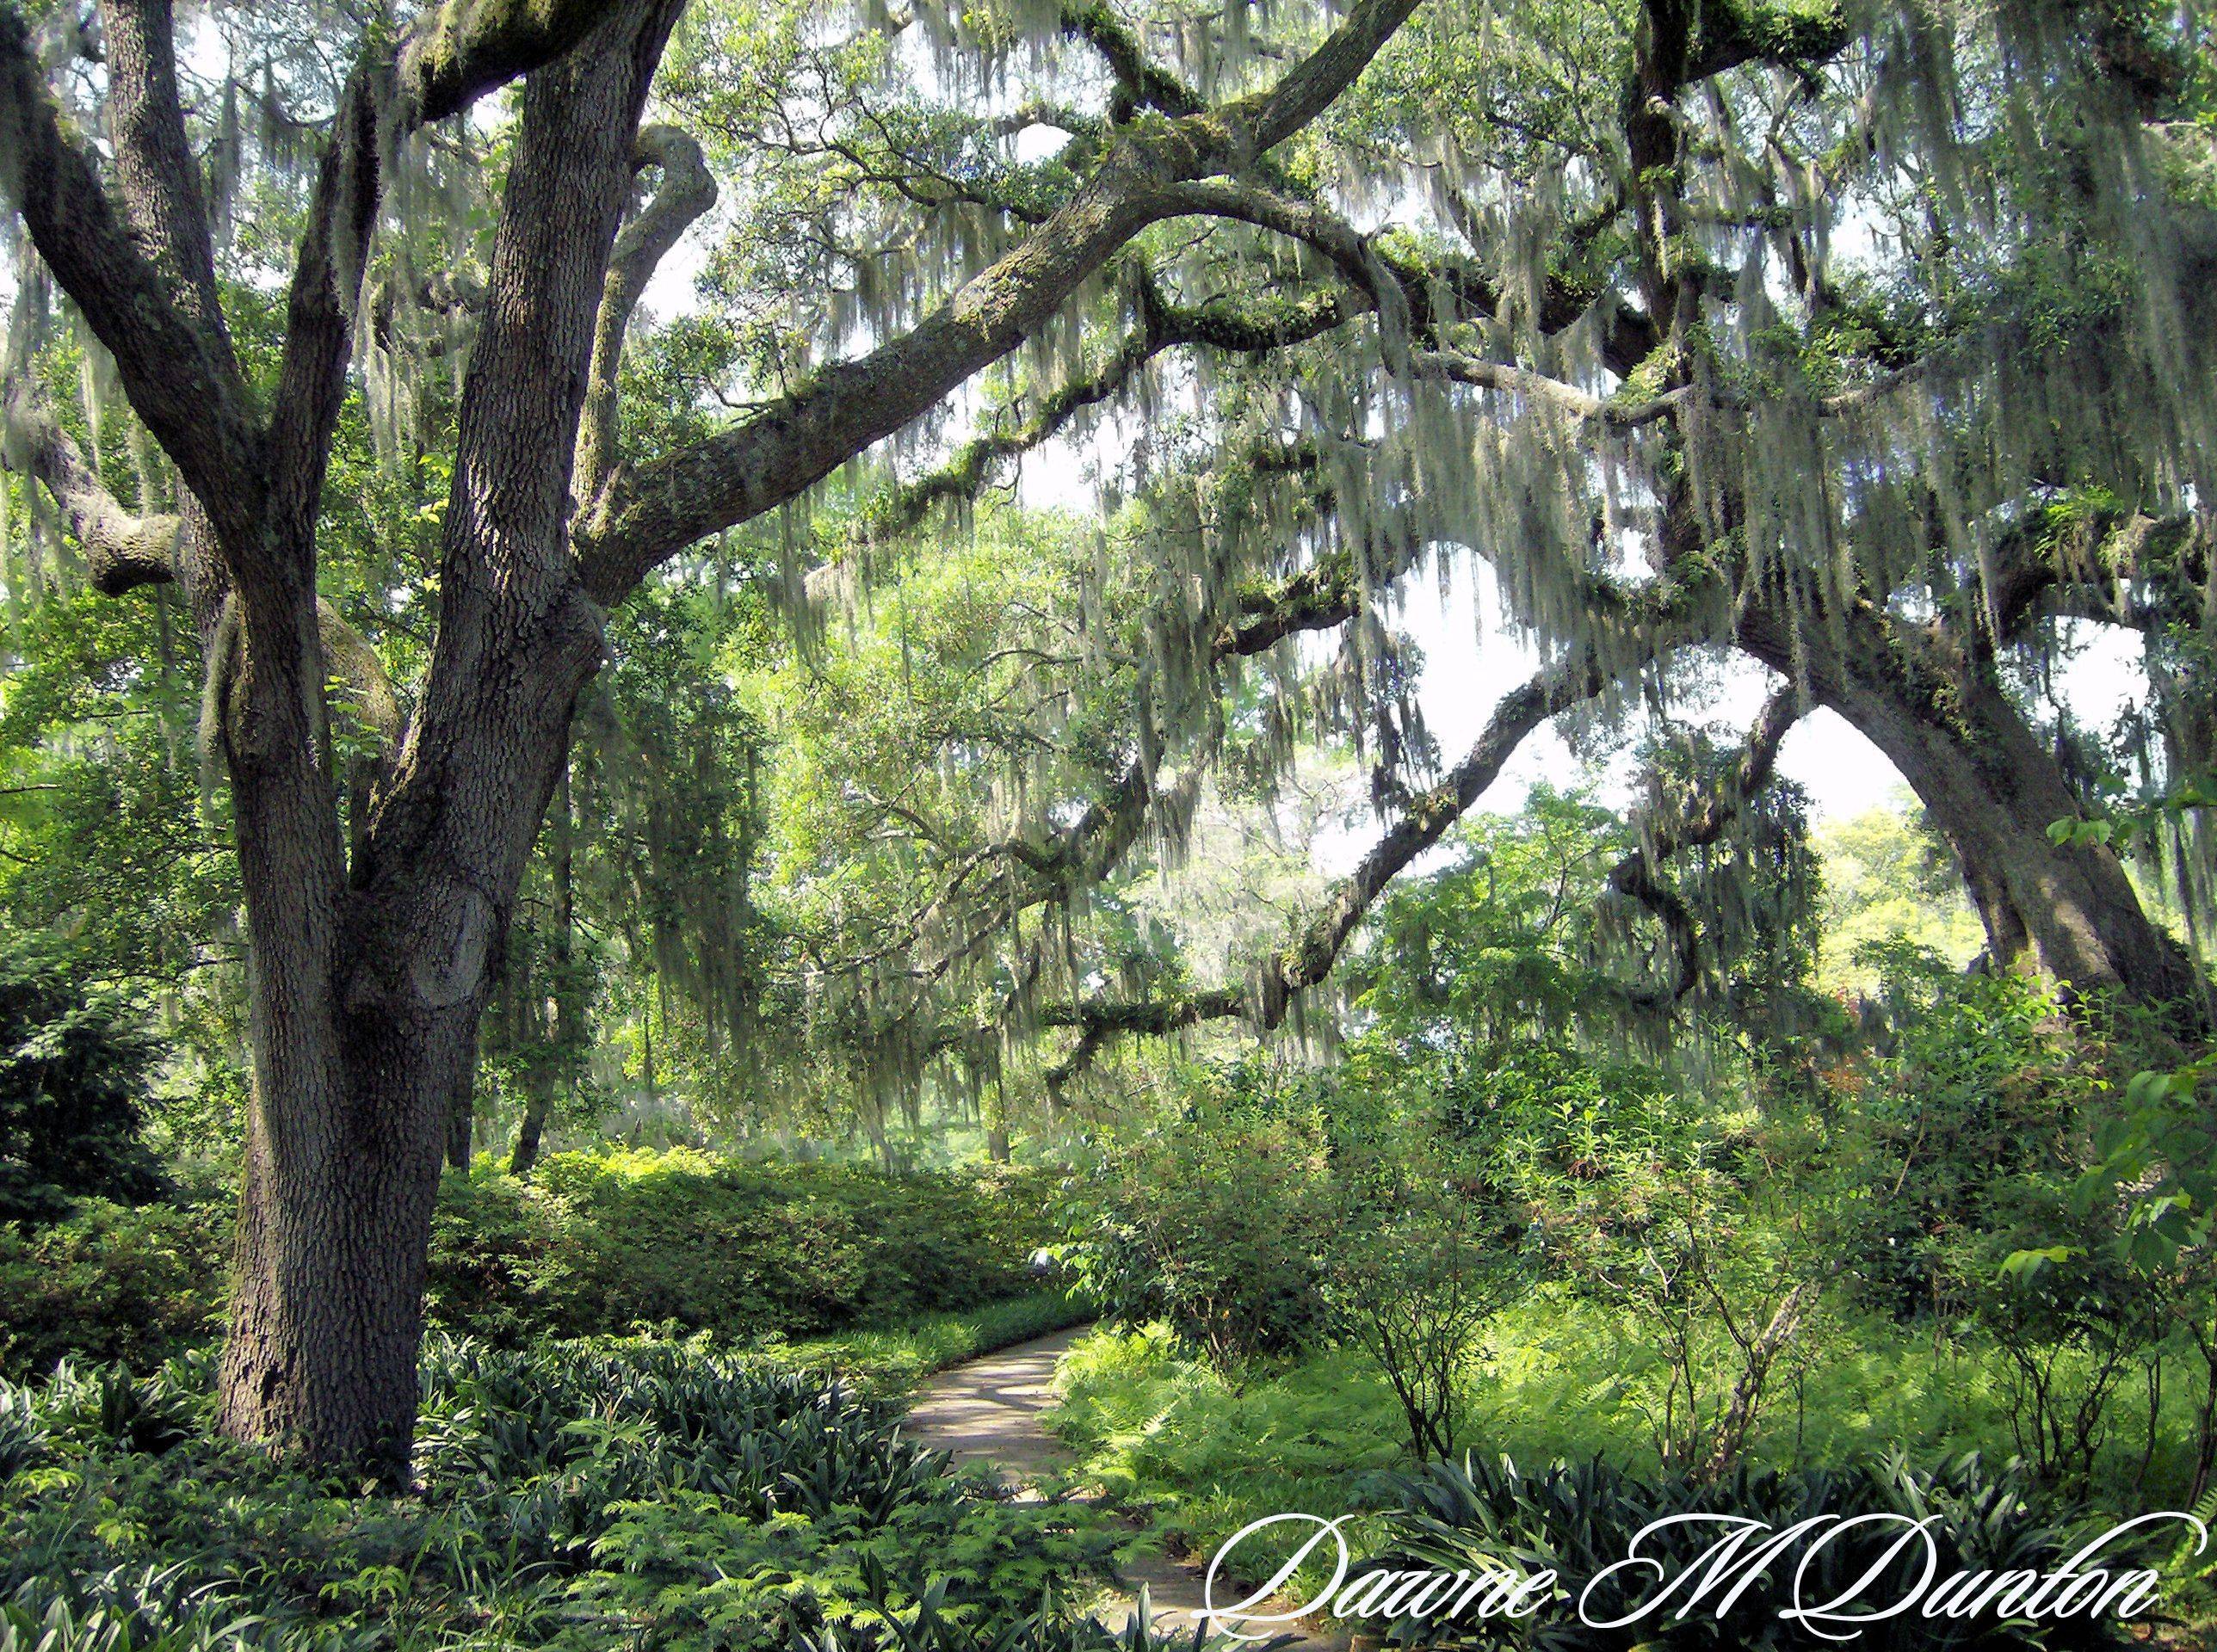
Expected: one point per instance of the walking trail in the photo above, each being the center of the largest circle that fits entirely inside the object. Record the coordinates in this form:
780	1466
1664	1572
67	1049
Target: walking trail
988	1411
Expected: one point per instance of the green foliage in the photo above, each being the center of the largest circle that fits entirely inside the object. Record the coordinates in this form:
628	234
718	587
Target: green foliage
1578	1521
602	1242
891	1361
570	1496
74	1087
109	1282
1889	880
745	1251
1217	1223
1559	1378
1414	1290
1503	944
1164	1432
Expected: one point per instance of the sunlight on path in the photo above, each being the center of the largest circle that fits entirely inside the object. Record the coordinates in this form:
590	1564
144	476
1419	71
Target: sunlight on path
988	1411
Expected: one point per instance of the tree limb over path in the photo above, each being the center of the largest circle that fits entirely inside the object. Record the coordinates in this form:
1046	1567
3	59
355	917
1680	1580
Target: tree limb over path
648	514
1308	958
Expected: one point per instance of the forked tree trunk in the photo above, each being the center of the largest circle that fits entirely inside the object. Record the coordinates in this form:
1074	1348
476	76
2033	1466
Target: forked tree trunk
1993	788
367	990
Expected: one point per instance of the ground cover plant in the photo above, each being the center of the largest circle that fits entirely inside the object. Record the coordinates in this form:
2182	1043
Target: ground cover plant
629	1491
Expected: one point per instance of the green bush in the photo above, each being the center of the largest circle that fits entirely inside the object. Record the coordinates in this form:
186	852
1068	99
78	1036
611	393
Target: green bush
1217	1224
74	1070
893	1360
600	1243
109	1282
593	1245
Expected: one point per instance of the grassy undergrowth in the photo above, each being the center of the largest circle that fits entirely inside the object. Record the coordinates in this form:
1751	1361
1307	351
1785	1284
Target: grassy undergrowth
888	1362
622	1492
1201	1456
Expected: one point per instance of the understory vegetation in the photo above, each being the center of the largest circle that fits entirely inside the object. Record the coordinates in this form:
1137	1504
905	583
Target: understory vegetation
575	1494
597	1244
1494	719
1463	1244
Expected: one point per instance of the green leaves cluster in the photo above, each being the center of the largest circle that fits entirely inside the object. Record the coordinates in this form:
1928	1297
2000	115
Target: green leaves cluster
568	1495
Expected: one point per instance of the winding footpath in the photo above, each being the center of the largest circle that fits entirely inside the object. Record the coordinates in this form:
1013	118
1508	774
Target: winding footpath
988	1409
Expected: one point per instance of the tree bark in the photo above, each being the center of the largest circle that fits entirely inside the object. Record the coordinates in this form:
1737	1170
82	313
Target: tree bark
355	1085
568	1010
1993	788
461	1121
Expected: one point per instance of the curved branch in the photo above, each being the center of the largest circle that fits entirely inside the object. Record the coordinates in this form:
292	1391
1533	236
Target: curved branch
686	190
461	49
1140	84
1396	277
1425	820
1695	819
649	514
122	551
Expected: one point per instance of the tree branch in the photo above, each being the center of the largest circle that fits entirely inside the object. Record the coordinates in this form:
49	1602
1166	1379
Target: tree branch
1480	374
1310	958
155	170
146	288
122	550
463	49
1139	83
1164	326
1694	819
648	515
178	374
686	190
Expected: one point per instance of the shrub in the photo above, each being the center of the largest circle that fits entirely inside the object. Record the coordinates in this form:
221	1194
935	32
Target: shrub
600	1243
1416	1294
1218	1226
109	1282
74	1067
593	1245
1578	1521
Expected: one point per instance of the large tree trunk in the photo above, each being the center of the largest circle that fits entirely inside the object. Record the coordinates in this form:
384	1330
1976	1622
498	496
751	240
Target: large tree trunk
333	1228
368	997
1993	787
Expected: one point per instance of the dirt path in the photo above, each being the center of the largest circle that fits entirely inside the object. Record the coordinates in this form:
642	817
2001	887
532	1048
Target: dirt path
988	1411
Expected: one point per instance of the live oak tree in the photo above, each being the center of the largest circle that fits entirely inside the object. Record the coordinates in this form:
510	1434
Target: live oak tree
372	961
1869	342
1862	340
